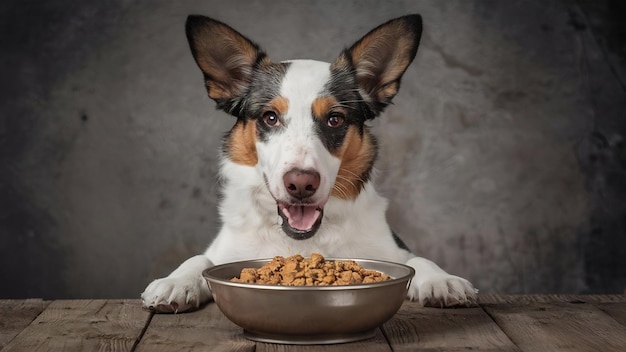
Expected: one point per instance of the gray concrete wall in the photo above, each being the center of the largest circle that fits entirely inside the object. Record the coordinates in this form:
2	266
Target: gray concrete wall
503	157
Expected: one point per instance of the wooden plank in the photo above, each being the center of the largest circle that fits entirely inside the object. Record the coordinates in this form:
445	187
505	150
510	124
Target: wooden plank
376	344
599	298
83	325
617	310
204	330
15	315
434	329
519	299
556	323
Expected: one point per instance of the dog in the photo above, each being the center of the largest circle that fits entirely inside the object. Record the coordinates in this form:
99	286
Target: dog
296	167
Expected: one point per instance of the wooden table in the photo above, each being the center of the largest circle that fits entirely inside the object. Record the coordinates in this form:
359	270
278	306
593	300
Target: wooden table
500	323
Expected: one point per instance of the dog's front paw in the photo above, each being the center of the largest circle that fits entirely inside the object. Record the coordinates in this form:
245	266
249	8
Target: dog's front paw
443	290
176	294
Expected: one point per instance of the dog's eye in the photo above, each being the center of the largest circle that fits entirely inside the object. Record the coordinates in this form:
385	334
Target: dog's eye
335	120
271	119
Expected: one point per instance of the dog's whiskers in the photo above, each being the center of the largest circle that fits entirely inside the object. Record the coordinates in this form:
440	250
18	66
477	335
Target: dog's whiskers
352	182
340	189
344	106
356	176
353	101
348	182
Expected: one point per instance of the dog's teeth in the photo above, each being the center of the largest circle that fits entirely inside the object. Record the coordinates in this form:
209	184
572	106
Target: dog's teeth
280	220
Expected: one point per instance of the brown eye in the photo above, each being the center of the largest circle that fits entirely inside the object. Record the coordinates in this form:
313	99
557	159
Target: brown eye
335	120
271	119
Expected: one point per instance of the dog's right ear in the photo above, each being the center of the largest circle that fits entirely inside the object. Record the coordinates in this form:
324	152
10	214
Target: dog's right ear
226	58
381	57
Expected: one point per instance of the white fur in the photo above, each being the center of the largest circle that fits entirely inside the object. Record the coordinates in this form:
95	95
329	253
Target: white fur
297	146
350	228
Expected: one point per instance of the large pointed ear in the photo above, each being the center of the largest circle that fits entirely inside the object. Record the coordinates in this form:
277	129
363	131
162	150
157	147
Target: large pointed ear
226	58
381	57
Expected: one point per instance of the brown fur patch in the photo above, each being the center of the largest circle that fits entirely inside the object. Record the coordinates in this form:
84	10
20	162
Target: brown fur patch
357	156
241	147
321	106
280	105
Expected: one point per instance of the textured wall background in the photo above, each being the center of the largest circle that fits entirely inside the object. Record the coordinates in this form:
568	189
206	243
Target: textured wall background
503	157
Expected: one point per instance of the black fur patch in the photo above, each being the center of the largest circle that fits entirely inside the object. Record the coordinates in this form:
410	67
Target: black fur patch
343	87
265	87
399	241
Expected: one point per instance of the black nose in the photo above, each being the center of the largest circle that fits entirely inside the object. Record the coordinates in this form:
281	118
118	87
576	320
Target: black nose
301	183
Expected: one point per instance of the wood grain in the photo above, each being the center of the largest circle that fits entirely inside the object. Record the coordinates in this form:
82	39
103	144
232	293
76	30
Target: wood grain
616	310
15	315
561	324
435	329
83	325
501	323
204	330
520	299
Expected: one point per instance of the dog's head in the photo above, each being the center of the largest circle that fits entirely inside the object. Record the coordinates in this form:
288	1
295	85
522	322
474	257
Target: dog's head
302	122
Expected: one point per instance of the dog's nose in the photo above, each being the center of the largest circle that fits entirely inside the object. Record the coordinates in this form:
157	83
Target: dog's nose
301	183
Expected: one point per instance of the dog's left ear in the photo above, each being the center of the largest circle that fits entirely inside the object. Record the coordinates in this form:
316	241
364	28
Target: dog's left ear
381	57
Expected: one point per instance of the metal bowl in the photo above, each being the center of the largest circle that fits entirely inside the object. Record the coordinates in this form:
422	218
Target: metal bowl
309	314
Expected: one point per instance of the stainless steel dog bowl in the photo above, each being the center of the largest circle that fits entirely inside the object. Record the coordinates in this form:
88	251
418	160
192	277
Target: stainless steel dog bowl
309	314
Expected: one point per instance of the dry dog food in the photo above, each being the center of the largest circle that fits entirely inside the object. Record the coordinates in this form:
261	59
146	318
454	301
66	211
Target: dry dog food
314	271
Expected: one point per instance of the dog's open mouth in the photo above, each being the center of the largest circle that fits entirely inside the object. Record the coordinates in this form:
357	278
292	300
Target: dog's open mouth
300	221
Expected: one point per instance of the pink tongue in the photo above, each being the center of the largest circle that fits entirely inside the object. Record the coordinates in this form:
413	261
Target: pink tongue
301	217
